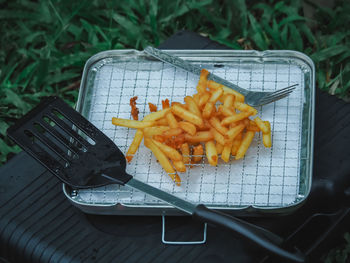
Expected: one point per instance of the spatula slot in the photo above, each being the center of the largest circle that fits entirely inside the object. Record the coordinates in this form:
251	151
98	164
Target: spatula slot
81	132
63	137
46	149
49	121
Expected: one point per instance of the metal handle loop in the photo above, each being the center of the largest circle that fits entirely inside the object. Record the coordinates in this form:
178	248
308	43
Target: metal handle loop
183	242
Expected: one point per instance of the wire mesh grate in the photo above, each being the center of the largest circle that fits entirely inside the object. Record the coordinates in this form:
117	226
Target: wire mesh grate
265	177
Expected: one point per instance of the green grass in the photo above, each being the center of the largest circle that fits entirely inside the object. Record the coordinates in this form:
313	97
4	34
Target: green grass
44	44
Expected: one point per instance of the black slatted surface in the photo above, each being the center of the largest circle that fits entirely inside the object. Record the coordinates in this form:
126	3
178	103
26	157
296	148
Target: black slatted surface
37	223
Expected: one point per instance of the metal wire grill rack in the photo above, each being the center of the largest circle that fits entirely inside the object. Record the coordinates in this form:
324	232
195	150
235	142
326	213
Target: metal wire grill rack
264	178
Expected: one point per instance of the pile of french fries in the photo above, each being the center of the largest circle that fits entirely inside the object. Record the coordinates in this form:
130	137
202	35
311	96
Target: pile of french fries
215	119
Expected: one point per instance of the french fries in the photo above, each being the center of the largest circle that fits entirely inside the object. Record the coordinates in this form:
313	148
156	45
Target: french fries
217	136
219	148
236	117
172	132
192	106
187	115
233	132
172	122
213	122
198	151
202	83
201	136
262	126
226	152
170	152
154	116
132	123
188	127
179	166
185	149
211	153
267	136
163	160
155	130
134	145
246	141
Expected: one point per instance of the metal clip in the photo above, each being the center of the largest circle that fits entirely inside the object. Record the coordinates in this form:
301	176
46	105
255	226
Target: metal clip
183	242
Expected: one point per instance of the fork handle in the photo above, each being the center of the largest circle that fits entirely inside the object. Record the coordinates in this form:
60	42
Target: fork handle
182	64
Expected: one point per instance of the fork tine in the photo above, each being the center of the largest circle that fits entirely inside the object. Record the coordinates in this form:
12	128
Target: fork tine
278	93
272	99
282	91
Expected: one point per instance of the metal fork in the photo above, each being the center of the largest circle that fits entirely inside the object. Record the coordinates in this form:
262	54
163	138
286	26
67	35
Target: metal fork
253	98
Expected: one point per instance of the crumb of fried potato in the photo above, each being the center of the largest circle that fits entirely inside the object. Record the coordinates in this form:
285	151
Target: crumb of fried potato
134	109
165	104
152	107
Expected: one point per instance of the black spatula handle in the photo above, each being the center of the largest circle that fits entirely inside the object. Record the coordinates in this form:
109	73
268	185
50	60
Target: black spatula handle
254	234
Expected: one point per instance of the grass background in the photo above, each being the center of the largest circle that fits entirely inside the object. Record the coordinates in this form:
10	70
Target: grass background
44	44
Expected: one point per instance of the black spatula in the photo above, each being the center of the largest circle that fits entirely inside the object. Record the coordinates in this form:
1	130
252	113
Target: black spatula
80	155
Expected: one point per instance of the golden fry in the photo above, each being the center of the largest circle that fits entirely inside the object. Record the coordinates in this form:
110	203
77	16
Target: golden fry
226	152
162	122
219	147
229	100
211	153
246	141
202	83
187	115
206	126
267	136
233	132
204	97
132	123
201	136
134	145
236	117
216	95
172	122
217	136
226	111
238	96
188	127
196	98
163	160
179	166
179	104
215	122
154	116
170	152
208	109
172	132
245	107
262	126
159	138
214	85
252	126
198	152
236	143
155	130
192	105
185	150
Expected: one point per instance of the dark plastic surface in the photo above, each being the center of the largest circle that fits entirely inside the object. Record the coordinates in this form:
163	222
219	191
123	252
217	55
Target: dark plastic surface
250	233
37	223
89	156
